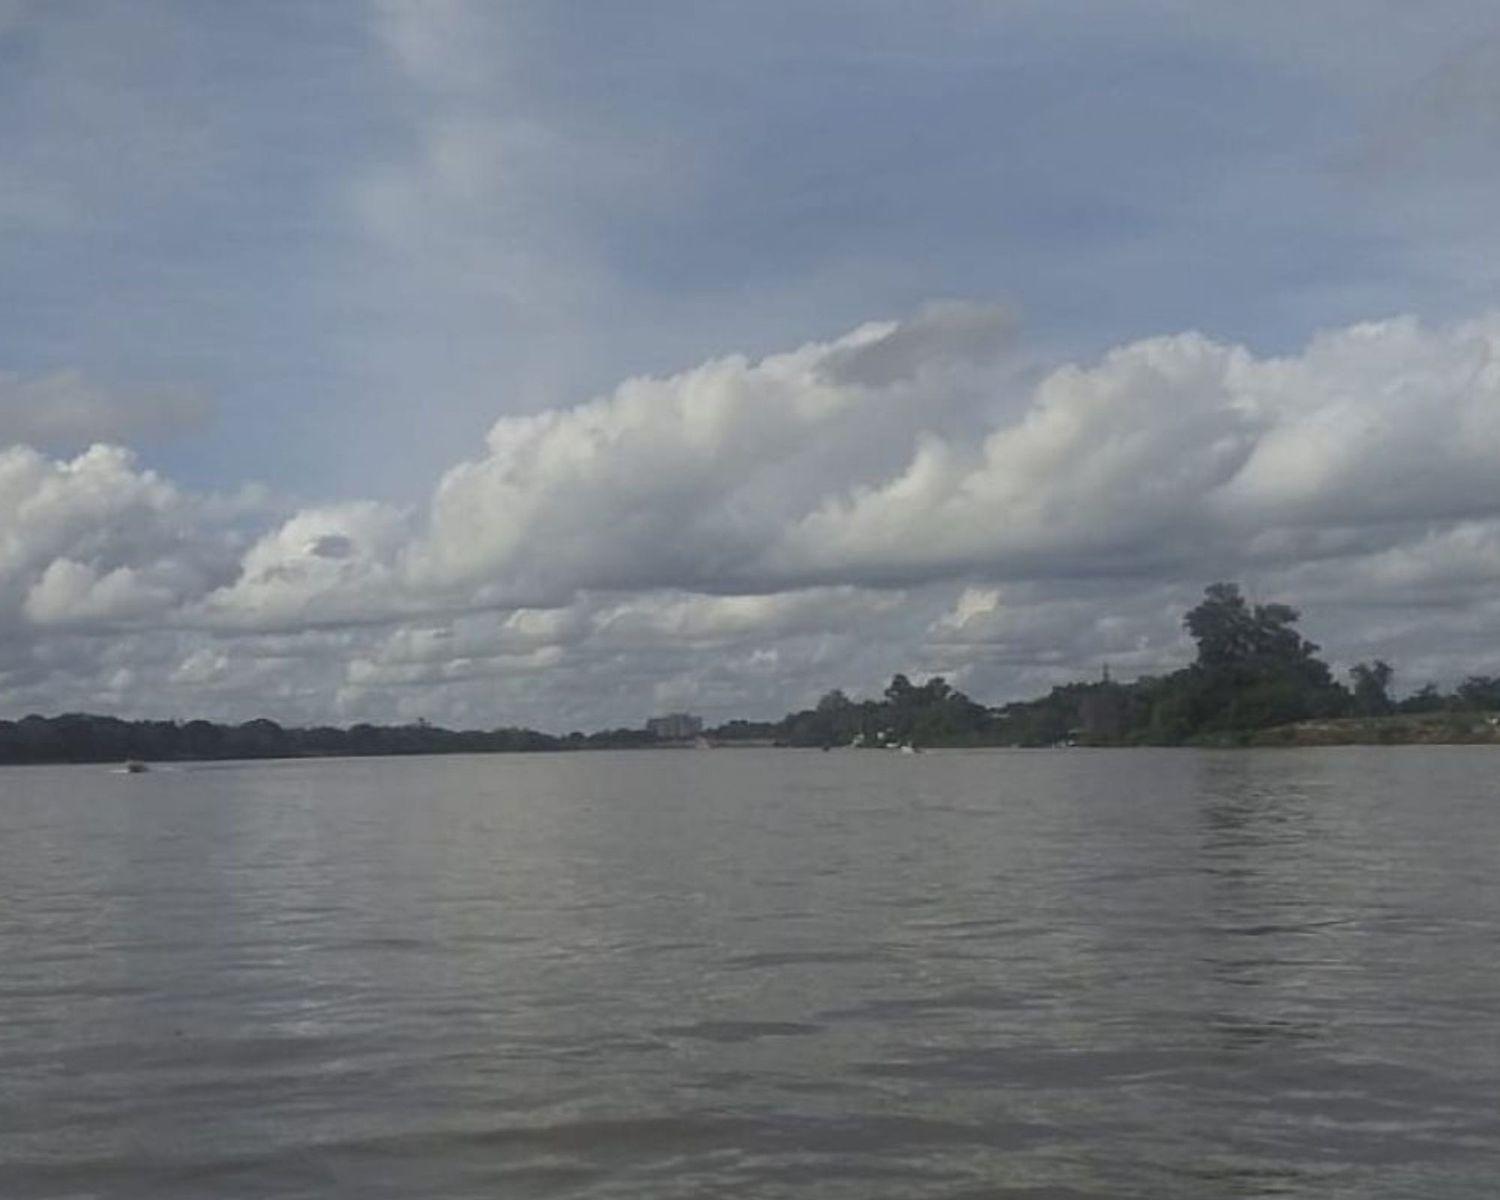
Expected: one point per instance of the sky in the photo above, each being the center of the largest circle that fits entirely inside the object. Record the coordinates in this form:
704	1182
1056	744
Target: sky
562	362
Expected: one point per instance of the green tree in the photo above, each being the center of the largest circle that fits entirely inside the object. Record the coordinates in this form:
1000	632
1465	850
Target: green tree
1233	634
1426	699
1480	692
899	690
1372	681
1253	668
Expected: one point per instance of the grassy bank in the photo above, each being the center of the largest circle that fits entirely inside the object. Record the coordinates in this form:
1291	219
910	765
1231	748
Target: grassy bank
1405	729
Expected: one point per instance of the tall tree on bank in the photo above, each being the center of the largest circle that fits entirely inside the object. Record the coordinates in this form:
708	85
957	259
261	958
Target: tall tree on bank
1254	669
1372	681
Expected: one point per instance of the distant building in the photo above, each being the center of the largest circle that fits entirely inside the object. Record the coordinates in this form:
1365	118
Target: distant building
675	727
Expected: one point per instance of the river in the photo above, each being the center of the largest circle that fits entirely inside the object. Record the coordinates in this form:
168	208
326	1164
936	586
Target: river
1032	974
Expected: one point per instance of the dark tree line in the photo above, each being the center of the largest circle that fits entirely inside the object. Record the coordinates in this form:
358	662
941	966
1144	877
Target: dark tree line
930	714
84	738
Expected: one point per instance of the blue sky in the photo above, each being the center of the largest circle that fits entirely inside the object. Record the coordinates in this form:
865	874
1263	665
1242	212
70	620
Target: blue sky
633	188
321	249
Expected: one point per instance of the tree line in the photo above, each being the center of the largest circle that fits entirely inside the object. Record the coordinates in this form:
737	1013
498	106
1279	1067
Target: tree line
1253	671
87	738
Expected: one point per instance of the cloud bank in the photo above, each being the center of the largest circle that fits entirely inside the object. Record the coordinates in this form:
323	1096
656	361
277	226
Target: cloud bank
914	495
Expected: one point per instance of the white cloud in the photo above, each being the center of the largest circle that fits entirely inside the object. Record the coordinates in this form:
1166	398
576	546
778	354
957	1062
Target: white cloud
1171	449
799	469
71	592
750	533
690	481
324	566
95	539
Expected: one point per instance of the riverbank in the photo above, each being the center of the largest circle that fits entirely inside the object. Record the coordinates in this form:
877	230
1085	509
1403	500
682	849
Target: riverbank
1403	729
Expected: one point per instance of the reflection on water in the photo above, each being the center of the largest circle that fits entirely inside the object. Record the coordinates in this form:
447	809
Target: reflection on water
1088	974
1266	925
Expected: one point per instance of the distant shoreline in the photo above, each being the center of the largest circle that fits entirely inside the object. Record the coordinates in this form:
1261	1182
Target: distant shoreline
86	739
1447	729
1402	729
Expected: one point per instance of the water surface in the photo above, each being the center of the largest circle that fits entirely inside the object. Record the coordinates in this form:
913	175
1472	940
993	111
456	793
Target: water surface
755	973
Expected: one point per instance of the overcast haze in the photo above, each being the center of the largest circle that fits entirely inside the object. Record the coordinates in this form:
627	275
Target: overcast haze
558	363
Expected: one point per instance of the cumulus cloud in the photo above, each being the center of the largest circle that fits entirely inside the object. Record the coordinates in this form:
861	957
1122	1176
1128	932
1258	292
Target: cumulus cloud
324	566
692	480
747	533
815	467
97	540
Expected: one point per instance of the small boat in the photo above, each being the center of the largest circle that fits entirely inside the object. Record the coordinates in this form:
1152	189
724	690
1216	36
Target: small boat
134	766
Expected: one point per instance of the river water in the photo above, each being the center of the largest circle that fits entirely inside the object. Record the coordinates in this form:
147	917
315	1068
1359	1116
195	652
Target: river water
1039	974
